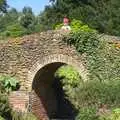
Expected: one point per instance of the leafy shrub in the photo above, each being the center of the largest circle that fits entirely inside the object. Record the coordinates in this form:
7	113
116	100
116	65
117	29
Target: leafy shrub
69	75
23	116
4	106
76	26
87	113
94	94
1	118
5	34
15	30
115	115
58	26
9	83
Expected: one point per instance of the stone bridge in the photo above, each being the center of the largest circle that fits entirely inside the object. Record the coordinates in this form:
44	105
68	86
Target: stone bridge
33	60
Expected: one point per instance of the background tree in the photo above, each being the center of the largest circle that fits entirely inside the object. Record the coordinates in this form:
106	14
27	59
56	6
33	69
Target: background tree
102	15
27	19
3	6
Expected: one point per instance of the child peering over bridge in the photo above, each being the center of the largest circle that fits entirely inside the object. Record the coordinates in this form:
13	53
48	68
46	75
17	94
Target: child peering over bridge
66	26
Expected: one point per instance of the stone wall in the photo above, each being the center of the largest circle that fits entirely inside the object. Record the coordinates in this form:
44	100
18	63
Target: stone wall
23	57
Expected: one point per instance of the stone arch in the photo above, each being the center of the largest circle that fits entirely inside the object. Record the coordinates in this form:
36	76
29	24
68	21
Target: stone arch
41	80
76	62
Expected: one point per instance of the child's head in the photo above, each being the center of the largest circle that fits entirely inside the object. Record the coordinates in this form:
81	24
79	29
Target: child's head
66	21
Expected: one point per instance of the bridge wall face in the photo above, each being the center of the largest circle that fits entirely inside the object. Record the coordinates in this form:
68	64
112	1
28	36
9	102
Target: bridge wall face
24	57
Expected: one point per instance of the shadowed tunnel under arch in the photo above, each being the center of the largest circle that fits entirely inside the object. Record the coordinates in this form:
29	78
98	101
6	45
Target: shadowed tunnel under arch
48	99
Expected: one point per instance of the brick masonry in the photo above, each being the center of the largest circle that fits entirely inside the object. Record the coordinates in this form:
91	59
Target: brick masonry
19	101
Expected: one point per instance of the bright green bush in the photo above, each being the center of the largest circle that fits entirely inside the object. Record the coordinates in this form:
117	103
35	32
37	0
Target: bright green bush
69	74
9	83
1	118
116	114
58	26
15	30
76	26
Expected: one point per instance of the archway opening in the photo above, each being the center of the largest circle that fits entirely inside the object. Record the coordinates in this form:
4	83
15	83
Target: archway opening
48	99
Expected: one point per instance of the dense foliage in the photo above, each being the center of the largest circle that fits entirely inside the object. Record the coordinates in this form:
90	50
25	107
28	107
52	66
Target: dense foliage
91	99
15	24
96	98
3	6
4	106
